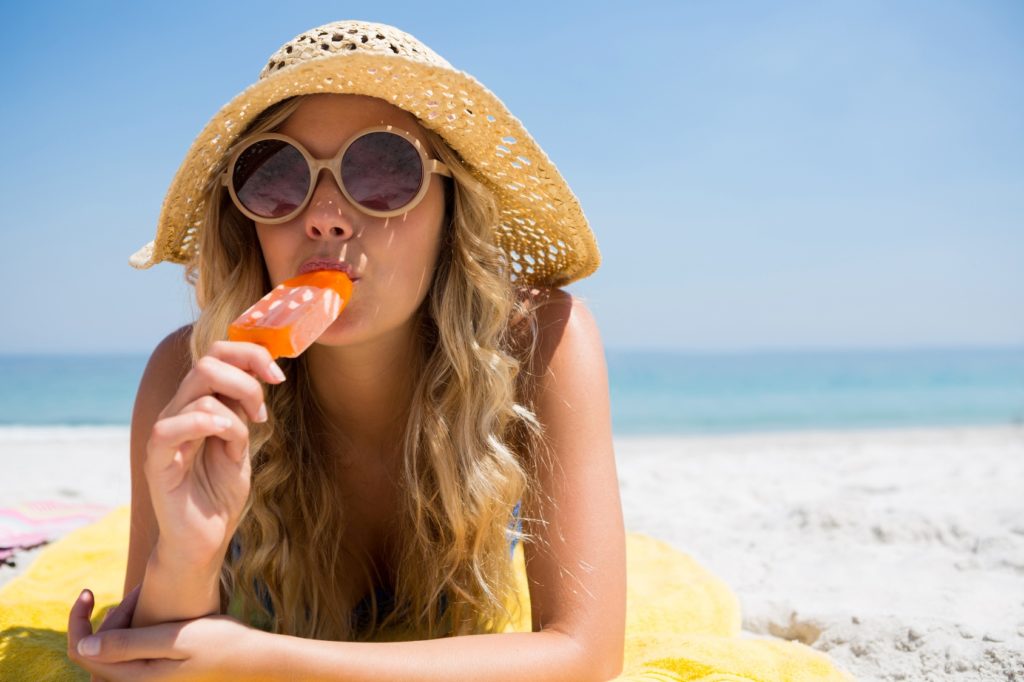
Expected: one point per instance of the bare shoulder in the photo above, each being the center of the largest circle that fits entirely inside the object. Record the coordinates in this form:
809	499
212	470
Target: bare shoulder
168	364
172	354
568	371
566	330
569	362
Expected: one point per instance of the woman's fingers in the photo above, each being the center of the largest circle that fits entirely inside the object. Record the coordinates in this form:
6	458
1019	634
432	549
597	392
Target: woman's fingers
232	369
151	642
236	438
79	625
178	437
212	375
80	630
120	616
250	357
181	435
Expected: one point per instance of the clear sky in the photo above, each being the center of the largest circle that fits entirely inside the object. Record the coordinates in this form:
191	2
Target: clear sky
758	175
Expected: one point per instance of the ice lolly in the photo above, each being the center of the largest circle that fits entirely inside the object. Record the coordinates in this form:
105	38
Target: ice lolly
295	313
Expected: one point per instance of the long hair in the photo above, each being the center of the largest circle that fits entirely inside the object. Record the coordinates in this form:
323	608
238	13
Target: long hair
471	446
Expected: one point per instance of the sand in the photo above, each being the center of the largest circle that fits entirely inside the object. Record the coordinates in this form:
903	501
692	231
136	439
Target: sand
900	553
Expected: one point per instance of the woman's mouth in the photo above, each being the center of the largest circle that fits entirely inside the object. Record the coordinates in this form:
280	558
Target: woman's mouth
328	264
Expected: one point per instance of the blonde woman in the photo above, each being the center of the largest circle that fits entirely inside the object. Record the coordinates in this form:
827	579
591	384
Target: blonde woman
352	513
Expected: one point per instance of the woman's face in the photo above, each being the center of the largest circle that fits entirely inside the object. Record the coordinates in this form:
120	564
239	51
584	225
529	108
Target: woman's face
394	258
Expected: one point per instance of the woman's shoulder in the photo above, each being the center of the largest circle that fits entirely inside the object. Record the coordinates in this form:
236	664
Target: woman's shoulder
172	358
560	318
549	306
566	363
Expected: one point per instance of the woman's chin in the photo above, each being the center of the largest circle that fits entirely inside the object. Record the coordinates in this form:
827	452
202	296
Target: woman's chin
340	330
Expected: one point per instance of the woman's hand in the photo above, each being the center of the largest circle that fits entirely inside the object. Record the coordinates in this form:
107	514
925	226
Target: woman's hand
197	457
211	648
79	624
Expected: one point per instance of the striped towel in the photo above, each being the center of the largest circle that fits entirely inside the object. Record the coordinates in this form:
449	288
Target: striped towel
35	523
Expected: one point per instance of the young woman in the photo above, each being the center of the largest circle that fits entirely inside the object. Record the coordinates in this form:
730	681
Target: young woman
351	514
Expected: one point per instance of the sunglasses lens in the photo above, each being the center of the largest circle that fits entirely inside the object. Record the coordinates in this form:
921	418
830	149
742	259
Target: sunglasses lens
382	171
271	178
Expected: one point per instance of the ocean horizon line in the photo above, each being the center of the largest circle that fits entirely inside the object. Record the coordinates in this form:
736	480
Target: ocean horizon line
654	350
650	391
49	431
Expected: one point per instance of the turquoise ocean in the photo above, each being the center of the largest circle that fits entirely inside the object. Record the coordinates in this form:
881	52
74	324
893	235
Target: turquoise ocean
652	392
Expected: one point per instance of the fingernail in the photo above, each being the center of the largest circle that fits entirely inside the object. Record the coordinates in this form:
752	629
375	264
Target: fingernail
275	371
89	646
261	416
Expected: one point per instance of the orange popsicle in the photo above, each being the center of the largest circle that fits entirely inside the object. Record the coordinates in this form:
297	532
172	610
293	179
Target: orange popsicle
295	313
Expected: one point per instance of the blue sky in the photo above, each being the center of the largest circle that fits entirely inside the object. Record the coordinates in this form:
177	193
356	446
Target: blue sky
759	175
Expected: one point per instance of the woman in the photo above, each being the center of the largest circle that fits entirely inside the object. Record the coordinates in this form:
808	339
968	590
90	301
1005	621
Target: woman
351	508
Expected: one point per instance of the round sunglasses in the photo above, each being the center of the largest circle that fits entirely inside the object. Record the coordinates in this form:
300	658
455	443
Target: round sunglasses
383	170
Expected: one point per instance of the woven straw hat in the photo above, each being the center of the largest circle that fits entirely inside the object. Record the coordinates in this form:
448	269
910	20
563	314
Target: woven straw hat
542	229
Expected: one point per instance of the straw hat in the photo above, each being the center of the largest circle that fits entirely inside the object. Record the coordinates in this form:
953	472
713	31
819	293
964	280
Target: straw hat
542	230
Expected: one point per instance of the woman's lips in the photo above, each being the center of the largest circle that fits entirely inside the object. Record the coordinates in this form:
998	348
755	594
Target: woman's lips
321	264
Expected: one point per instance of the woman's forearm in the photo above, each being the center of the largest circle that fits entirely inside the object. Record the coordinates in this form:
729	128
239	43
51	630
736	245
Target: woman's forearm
175	591
537	656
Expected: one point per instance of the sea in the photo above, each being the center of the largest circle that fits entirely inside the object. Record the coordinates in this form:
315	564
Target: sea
652	392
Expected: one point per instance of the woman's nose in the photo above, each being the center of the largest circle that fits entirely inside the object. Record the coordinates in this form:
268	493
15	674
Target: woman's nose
329	215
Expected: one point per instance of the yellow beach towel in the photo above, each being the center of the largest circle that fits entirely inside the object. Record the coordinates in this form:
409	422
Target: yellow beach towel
682	623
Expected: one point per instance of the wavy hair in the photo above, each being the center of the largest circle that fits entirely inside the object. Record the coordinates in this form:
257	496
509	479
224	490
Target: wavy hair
470	449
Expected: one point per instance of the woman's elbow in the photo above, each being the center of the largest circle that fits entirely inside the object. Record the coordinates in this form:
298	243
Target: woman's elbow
599	662
611	668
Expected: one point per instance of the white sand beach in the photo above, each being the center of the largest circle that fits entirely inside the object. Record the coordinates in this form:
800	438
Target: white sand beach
900	553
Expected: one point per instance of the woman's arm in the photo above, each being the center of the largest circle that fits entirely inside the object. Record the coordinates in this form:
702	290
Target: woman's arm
221	648
191	471
577	587
170	591
535	656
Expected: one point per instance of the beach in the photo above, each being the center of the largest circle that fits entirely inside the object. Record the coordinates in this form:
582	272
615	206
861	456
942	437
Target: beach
899	553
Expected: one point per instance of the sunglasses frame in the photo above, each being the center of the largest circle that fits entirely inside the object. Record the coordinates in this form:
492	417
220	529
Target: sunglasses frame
333	165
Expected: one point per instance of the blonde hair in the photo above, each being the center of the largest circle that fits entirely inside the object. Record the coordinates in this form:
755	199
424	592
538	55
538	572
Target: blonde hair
471	445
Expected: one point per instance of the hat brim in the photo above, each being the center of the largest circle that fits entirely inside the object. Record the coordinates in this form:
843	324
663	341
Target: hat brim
543	229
